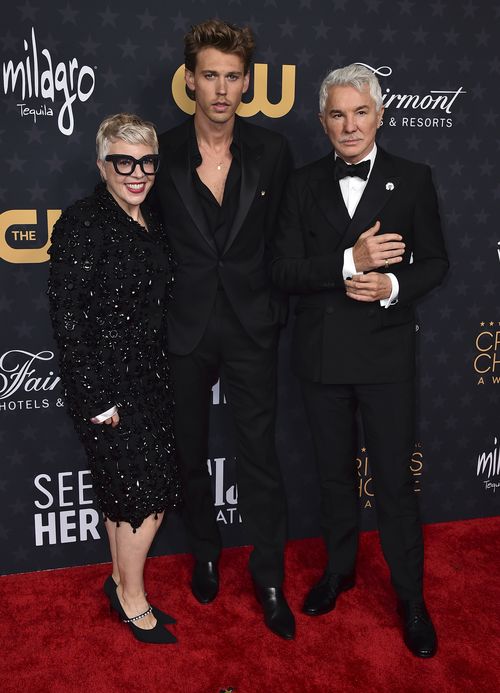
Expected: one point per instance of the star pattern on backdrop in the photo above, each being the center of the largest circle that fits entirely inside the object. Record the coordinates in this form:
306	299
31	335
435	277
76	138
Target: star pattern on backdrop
134	52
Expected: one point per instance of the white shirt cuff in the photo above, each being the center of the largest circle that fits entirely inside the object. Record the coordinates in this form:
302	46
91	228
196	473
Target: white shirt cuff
349	268
393	298
105	415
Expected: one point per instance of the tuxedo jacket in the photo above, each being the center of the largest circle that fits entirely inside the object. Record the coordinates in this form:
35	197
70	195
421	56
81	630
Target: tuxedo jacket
242	267
338	339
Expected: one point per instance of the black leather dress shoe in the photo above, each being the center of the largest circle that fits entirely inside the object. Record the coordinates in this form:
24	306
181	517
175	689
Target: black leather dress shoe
419	633
278	616
205	581
322	597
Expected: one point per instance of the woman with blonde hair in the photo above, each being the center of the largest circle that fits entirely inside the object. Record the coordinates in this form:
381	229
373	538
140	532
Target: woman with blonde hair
110	273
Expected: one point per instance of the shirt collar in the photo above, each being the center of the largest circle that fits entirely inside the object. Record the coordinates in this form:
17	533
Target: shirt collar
194	151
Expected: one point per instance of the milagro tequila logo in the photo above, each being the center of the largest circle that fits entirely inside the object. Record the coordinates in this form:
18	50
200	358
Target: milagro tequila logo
37	77
436	104
488	465
20	375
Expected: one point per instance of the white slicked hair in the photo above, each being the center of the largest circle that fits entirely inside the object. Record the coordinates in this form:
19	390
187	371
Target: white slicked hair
357	76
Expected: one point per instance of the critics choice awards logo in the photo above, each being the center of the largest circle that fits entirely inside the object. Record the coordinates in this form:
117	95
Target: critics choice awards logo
26	379
486	362
488	467
365	481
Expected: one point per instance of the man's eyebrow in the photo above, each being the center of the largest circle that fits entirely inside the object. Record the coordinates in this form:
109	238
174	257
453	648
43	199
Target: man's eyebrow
217	72
339	110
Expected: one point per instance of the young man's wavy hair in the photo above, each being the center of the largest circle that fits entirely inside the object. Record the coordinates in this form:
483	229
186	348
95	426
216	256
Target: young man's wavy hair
225	37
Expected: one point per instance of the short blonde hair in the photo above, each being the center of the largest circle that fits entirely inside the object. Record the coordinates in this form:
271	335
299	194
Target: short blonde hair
127	127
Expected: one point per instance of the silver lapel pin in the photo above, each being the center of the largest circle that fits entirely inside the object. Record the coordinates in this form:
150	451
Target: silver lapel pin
389	186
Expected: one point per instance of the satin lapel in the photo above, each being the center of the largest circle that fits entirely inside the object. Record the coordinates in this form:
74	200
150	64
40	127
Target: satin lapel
328	196
180	170
381	186
250	173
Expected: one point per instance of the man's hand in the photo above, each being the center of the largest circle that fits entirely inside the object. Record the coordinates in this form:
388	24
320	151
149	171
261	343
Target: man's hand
370	287
371	252
113	421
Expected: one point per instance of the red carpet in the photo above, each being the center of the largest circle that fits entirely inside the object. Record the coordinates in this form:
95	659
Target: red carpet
57	635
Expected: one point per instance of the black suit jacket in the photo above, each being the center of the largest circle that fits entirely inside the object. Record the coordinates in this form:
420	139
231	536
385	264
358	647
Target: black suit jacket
337	339
243	266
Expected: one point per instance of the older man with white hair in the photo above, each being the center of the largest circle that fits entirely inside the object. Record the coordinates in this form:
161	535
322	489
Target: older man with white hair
360	242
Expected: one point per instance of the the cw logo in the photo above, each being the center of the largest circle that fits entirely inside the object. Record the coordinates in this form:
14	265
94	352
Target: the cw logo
16	221
259	103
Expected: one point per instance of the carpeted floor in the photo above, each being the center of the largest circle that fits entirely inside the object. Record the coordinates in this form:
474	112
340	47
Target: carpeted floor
57	635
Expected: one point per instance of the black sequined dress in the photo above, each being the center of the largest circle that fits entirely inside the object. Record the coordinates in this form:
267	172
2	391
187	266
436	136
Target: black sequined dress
109	280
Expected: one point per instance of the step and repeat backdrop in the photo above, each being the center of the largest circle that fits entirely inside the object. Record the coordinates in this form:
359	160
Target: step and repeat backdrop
66	66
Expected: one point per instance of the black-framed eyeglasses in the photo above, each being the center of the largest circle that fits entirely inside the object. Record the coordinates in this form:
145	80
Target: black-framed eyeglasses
125	165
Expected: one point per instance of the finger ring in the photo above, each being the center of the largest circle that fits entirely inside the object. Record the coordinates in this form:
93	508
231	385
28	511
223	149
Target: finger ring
386	263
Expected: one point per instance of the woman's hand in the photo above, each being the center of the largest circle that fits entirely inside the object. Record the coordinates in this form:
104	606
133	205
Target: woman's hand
113	421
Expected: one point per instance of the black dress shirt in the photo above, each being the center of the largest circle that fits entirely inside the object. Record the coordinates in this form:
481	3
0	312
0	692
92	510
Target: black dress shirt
219	217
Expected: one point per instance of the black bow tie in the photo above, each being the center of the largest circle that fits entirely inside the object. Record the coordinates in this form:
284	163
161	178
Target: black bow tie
342	170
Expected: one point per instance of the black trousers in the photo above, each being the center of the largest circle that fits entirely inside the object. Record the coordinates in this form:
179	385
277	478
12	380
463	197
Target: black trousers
249	375
388	417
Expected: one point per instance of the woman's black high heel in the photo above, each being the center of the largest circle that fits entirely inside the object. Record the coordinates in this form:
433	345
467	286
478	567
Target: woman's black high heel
157	635
109	588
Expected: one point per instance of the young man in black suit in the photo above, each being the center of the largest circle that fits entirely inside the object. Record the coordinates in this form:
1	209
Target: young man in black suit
360	241
219	188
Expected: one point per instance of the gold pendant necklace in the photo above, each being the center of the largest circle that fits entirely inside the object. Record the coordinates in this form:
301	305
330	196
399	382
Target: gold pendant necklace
219	164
